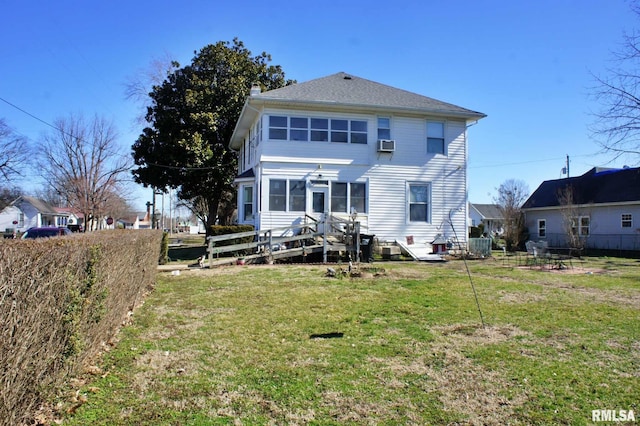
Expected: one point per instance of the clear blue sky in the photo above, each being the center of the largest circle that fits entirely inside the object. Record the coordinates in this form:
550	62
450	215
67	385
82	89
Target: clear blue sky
527	65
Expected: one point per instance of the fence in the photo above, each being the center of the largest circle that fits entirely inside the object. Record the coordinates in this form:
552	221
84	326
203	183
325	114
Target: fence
480	246
618	242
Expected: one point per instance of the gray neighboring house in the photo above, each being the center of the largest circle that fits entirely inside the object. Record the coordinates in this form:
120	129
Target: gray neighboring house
27	212
604	212
489	215
342	145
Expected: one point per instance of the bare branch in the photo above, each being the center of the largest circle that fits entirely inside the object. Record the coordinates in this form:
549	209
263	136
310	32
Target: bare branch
15	152
82	163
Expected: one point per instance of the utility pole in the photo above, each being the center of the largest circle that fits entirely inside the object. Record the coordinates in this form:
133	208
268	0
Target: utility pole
568	175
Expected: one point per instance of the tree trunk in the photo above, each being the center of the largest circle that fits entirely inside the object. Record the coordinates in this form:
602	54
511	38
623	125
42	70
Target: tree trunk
213	213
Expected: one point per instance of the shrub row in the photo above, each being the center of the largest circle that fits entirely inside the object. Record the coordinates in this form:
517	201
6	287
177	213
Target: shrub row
61	300
216	230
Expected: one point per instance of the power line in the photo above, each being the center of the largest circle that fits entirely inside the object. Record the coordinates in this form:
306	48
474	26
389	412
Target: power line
525	162
32	116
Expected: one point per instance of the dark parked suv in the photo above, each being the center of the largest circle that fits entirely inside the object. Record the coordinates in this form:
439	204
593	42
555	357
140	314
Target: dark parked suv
45	232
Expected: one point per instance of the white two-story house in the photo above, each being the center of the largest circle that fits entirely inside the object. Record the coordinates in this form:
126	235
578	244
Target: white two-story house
343	145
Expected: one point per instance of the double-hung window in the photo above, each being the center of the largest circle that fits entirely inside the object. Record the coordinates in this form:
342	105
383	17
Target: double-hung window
418	200
435	137
358	197
299	129
580	226
297	195
247	202
358	131
277	195
339	197
348	197
320	129
339	130
627	220
384	128
278	127
542	228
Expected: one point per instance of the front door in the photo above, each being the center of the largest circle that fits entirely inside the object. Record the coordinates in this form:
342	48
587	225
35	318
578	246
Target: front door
319	201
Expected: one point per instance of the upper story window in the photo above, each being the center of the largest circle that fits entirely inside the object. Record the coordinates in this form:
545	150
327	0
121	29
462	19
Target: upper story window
299	129
627	220
318	129
358	131
258	131
435	137
278	127
384	128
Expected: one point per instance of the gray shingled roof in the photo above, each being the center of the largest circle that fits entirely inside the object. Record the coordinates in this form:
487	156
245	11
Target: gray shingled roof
342	90
347	89
40	205
489	211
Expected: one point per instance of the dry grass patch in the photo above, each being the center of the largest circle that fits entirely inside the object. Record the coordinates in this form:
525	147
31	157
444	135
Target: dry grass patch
461	385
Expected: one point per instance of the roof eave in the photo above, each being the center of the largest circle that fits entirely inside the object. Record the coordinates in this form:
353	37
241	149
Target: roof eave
250	112
470	115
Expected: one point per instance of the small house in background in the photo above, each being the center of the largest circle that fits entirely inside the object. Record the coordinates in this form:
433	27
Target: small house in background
489	215
599	209
75	219
27	212
348	147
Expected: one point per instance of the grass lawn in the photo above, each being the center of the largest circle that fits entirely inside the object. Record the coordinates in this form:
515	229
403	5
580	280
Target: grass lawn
402	344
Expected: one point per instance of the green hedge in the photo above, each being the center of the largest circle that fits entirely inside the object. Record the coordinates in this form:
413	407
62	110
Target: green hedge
217	230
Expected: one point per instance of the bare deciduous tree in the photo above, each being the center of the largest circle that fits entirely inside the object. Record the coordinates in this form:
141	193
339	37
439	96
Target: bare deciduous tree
138	86
617	123
511	195
85	165
14	153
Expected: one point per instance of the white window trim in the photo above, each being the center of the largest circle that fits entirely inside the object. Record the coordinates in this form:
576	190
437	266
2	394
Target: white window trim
349	131
244	202
408	185
444	137
545	228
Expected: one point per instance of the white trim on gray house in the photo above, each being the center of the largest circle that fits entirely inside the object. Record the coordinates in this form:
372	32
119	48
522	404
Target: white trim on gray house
603	210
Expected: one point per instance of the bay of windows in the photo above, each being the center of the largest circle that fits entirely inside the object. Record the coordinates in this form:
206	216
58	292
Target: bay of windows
291	195
318	129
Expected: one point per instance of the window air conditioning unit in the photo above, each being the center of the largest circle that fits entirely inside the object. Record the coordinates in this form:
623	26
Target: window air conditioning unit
386	145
